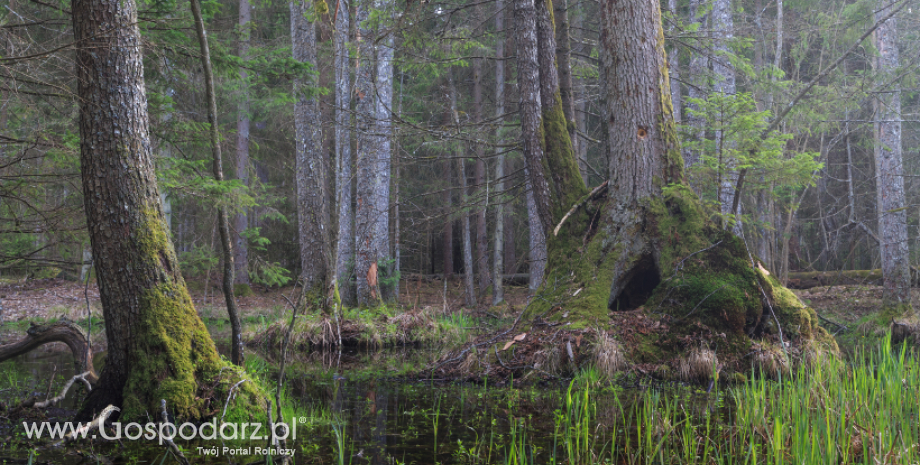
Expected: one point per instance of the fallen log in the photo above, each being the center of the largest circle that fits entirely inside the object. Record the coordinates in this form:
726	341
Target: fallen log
64	331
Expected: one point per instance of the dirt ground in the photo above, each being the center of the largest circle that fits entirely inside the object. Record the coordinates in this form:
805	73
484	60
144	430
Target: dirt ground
51	298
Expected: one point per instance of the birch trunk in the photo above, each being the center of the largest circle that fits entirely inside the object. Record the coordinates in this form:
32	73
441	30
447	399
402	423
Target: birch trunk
889	170
310	166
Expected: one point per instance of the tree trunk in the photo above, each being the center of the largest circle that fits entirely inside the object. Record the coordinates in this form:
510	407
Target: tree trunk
651	222
345	240
365	164
158	348
498	267
223	222
384	132
674	66
447	234
696	84
723	29
564	60
479	176
581	108
240	221
469	280
889	170
310	164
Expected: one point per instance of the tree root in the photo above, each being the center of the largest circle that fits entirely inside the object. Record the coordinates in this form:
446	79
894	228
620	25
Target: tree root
64	331
169	442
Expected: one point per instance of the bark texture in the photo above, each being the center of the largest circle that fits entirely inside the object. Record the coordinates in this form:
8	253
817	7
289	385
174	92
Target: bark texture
498	256
697	85
724	83
889	168
241	220
365	163
310	166
383	86
158	348
345	239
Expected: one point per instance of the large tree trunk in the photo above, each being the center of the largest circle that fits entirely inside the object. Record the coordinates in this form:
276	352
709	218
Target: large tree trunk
241	221
223	221
636	256
310	172
345	239
564	61
889	170
384	103
674	66
365	164
158	348
498	267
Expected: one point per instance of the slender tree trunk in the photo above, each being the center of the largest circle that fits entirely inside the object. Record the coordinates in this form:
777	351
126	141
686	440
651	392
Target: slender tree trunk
498	268
310	172
482	239
889	171
151	322
223	222
511	261
384	132
366	163
447	234
537	237
241	222
469	280
345	241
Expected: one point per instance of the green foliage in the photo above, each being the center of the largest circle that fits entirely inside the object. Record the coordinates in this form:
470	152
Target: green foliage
737	128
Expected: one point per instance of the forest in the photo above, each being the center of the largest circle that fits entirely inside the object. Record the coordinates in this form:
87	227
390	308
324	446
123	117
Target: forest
459	232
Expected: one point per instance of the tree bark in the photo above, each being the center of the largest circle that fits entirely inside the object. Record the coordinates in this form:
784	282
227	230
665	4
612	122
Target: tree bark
674	66
366	162
498	292
345	240
469	280
696	83
310	164
158	348
889	168
223	222
723	30
241	221
383	86
564	60
479	176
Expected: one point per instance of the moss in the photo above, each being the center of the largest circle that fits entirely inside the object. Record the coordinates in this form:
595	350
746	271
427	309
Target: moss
559	163
173	357
242	290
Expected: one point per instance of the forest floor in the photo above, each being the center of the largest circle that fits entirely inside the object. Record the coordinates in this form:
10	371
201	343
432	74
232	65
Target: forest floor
847	311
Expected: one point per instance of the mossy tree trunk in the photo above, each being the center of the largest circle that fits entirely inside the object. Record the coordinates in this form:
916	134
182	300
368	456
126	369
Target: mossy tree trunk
649	245
158	348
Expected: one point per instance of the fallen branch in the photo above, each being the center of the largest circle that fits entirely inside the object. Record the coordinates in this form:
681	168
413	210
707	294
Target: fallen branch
50	402
169	442
64	331
82	431
581	202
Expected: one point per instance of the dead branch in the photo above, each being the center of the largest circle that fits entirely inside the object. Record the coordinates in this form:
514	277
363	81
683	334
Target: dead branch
82	431
64	331
169	442
581	202
51	402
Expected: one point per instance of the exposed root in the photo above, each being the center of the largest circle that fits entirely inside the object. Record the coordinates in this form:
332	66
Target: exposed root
609	357
64	331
